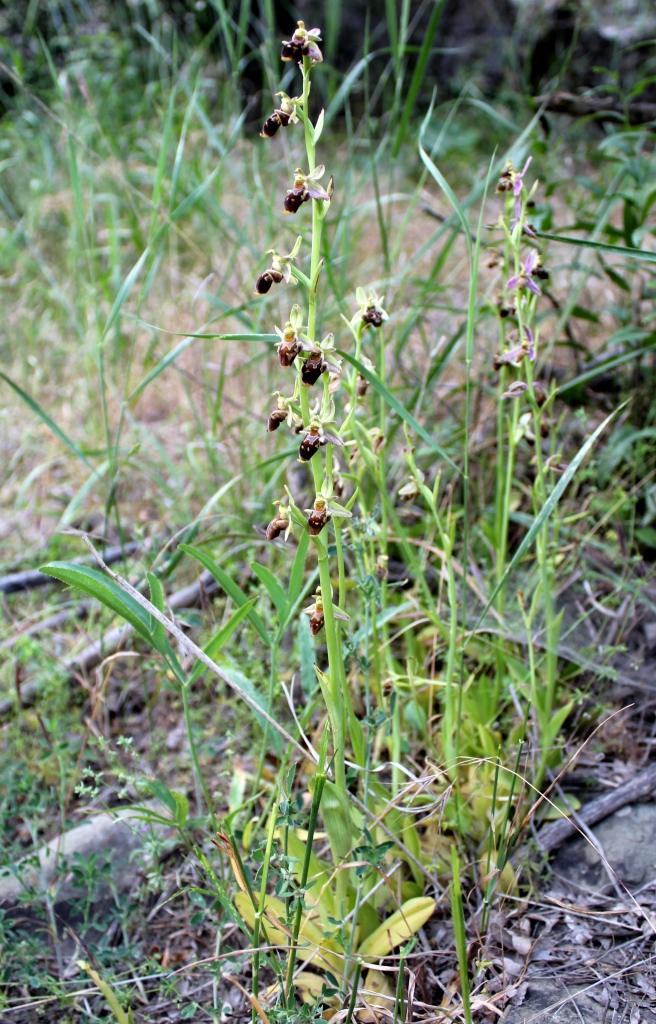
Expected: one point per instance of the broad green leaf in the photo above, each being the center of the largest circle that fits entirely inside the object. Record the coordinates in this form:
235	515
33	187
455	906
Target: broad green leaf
318	128
394	404
230	587
164	795
97	584
246	685
274	589
401	925
181	809
216	643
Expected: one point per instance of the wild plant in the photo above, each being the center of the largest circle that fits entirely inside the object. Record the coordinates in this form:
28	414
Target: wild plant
318	921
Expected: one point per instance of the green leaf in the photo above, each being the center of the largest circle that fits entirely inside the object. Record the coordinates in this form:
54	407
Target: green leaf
229	586
126	288
394	404
163	794
275	591
216	643
96	584
446	188
181	809
581	313
246	685
318	128
546	510
647	536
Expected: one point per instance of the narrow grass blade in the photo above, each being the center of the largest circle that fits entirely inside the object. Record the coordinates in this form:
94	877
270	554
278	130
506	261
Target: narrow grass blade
216	643
418	74
599	368
171	356
229	586
274	589
50	423
618	250
394	404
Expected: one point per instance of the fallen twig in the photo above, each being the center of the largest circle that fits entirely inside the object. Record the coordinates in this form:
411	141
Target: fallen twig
35	578
639	788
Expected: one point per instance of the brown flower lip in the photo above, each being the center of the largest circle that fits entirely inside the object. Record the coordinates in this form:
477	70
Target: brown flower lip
310	445
279	119
373	317
312	369
276	527
288	350
316	622
276	417
361	386
314	439
265	280
317	520
295	199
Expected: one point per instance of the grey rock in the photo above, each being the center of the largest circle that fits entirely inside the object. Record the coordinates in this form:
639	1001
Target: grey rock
115	837
628	839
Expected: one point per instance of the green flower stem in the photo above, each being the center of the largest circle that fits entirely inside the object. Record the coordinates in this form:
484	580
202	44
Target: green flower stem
319	781
198	775
273	678
260	907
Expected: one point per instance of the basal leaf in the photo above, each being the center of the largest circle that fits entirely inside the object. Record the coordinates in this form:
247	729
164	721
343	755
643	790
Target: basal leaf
96	584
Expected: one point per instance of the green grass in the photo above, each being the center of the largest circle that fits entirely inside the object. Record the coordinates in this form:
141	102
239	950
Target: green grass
137	372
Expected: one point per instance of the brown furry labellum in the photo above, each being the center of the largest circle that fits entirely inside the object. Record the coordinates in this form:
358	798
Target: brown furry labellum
279	119
317	621
505	181
373	317
310	445
265	280
295	199
541	273
277	526
312	369
318	516
288	349
505	311
276	417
